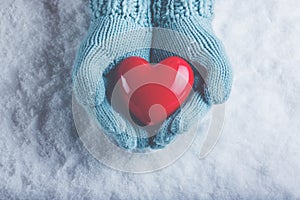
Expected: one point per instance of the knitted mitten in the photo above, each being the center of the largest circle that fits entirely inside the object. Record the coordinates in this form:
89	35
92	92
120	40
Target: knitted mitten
191	19
117	27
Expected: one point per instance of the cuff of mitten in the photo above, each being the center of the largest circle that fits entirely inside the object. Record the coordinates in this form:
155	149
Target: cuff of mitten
170	10
138	10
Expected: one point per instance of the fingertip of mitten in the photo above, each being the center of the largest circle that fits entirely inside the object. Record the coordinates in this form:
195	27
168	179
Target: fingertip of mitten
219	86
162	139
125	140
142	143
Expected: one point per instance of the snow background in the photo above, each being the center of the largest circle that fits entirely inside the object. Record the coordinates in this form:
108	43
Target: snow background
258	155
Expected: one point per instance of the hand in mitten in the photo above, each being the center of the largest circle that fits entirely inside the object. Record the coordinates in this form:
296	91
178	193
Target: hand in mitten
191	35
118	28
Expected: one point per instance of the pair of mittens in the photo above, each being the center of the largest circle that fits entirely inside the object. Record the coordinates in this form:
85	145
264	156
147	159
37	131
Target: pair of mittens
153	30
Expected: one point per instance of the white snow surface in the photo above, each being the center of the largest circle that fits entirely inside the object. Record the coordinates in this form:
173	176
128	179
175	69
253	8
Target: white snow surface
257	157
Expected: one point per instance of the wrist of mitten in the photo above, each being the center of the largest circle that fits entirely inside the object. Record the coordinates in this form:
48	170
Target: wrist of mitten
137	10
169	10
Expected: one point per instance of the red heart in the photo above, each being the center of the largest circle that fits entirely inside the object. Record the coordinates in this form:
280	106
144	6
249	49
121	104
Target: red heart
154	92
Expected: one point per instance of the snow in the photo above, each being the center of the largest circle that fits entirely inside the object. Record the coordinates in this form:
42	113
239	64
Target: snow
42	156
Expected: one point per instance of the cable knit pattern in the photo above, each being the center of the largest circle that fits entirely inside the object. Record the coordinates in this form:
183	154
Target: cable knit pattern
166	11
104	46
134	9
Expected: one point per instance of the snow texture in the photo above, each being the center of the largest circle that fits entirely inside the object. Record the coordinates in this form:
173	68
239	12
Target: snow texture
257	157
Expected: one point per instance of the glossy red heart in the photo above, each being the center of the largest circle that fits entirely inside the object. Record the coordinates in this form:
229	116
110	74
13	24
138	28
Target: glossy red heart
154	92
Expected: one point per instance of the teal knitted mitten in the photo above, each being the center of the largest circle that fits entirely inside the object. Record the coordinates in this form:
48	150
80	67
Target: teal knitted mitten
117	27
105	46
191	18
